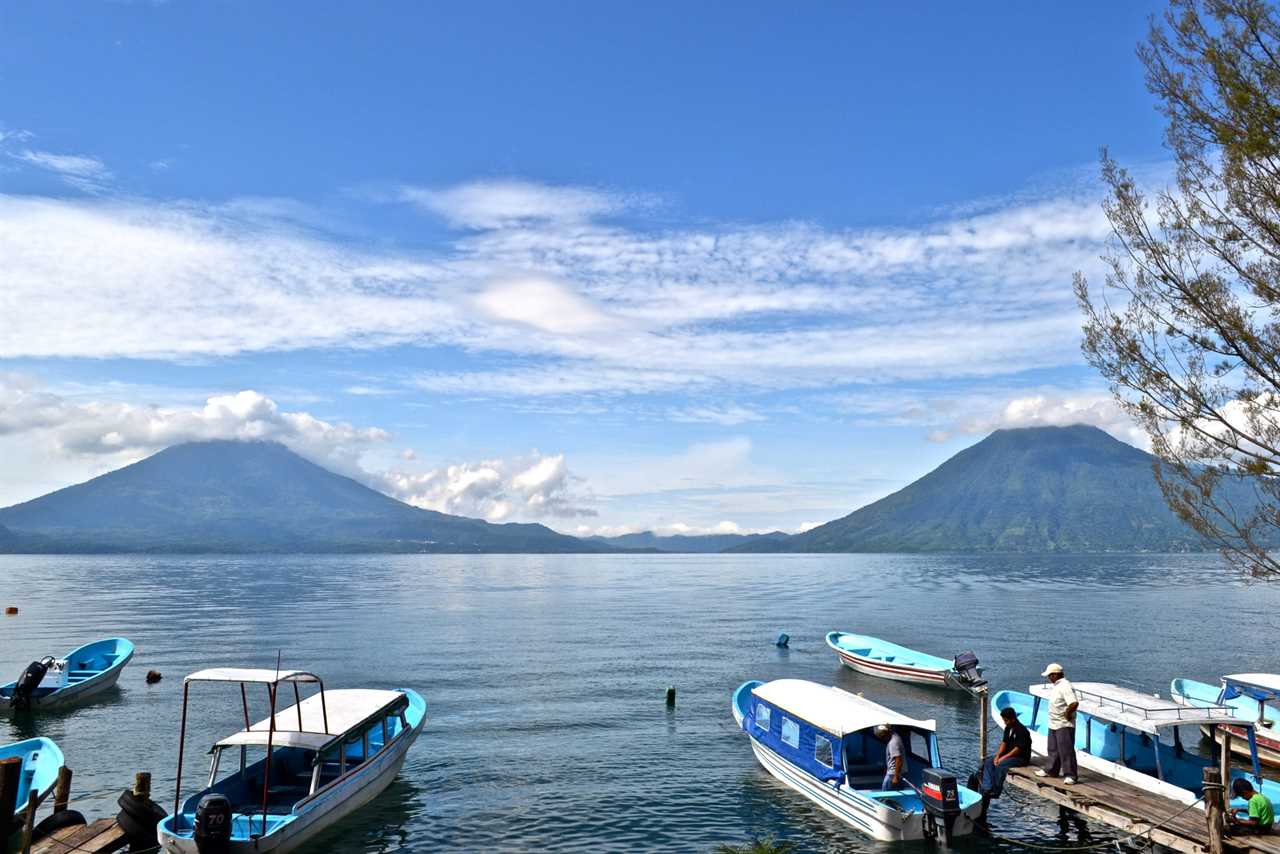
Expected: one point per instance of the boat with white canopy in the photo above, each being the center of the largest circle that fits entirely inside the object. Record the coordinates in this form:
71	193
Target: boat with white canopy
297	771
820	741
1135	738
1248	695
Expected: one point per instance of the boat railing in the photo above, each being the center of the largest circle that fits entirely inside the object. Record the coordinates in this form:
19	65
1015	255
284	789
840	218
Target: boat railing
1156	714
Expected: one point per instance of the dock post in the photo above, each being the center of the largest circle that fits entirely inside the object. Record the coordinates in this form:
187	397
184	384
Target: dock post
142	784
29	825
10	771
1224	761
984	713
62	791
1214	799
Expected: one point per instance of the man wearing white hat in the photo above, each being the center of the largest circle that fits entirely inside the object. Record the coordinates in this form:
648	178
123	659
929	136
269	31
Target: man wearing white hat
1062	726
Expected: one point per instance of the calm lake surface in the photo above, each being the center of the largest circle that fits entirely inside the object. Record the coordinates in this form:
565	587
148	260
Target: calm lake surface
545	675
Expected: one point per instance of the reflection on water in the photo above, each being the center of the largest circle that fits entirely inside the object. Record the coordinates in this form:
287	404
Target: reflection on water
546	675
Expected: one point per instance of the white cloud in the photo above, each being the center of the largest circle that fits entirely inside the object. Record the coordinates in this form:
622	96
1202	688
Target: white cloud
78	170
1098	409
543	304
567	304
534	487
511	203
726	416
123	432
108	434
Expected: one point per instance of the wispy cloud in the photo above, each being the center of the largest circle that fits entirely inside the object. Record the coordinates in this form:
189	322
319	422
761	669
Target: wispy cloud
515	203
546	299
81	171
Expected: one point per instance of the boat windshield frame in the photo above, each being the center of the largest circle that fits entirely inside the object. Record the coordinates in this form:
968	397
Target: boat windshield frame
273	679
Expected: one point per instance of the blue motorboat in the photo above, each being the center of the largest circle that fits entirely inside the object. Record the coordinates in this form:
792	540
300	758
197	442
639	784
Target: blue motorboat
876	657
820	741
297	772
1248	695
1118	735
60	682
41	762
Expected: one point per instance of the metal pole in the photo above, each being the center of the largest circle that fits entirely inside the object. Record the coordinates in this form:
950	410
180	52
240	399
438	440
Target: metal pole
182	740
266	776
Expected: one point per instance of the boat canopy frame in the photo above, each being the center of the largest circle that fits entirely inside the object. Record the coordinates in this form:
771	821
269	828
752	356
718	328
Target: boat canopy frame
273	679
1148	714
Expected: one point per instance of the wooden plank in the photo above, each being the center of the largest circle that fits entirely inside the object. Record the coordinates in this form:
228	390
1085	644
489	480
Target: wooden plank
101	837
1137	811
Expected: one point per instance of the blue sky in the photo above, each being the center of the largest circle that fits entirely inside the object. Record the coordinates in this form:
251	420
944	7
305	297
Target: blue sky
685	267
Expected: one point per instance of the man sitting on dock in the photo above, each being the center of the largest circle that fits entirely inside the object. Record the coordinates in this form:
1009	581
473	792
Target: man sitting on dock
1014	752
1062	726
1260	814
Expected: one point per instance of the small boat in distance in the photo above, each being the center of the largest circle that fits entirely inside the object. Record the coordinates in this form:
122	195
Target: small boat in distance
1118	735
876	657
296	772
41	762
1247	694
53	683
821	742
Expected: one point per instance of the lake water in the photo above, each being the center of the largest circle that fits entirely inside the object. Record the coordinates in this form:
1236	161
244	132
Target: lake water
546	675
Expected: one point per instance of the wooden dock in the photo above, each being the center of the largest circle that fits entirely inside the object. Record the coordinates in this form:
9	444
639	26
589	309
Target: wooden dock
101	837
1137	811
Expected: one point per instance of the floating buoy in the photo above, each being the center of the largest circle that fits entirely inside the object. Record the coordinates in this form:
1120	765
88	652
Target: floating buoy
784	640
11	610
671	696
153	676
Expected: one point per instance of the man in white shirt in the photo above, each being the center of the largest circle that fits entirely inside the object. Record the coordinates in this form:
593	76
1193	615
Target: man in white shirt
1062	727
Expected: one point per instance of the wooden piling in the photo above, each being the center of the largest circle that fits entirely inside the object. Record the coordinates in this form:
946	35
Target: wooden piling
29	824
10	771
142	784
1214	800
62	791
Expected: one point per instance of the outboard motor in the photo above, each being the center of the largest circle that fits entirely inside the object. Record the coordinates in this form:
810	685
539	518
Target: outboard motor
941	798
27	683
212	832
968	674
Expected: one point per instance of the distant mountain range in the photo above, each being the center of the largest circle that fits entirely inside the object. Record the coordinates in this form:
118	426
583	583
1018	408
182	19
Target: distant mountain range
1043	489
250	497
687	543
1037	489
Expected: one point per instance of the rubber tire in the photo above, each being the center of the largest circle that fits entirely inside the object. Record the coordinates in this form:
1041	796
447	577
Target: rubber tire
51	823
138	818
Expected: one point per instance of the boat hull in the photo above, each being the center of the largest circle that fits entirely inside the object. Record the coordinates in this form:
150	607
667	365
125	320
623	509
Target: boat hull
885	660
914	675
320	812
862	813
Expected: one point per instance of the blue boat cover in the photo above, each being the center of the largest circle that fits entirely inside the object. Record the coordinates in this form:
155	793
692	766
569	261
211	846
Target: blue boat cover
800	746
1252	685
